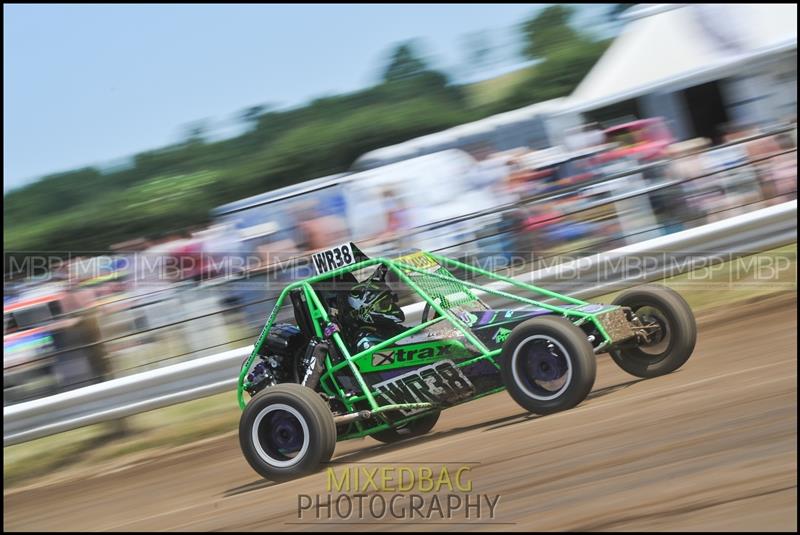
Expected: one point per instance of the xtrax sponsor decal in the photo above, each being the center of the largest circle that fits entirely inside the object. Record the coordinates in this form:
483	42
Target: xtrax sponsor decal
334	258
382	358
413	354
441	383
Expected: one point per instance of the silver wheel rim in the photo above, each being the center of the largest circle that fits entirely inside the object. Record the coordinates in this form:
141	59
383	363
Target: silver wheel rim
257	443
518	380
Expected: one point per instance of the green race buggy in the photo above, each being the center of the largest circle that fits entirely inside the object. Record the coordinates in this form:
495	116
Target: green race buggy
315	381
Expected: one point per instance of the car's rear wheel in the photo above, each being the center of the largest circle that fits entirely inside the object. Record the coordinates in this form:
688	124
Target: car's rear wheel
286	431
548	365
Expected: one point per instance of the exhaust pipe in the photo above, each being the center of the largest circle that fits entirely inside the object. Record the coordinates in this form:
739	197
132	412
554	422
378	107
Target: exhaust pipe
352	417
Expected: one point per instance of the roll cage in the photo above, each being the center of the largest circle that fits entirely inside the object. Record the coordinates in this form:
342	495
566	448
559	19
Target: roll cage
425	286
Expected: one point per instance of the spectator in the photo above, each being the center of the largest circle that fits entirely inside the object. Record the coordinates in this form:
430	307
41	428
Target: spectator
490	169
316	229
584	137
397	219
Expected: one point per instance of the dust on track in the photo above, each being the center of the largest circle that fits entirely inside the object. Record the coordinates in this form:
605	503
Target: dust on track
709	447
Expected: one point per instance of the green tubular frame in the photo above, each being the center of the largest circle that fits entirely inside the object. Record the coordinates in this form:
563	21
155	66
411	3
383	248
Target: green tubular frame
318	313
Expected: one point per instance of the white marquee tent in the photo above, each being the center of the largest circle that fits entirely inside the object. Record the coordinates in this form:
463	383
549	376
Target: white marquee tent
666	46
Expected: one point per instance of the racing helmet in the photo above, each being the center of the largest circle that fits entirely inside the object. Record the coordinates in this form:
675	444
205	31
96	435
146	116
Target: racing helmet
373	303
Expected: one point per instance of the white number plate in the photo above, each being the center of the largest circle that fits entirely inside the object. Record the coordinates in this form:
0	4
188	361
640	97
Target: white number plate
334	258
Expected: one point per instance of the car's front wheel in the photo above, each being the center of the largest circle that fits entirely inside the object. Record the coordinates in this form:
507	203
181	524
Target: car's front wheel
286	431
671	328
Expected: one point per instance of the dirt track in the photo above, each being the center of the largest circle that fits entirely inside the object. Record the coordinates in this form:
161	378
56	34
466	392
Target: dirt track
710	447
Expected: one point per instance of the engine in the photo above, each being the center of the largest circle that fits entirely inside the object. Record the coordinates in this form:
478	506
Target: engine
278	356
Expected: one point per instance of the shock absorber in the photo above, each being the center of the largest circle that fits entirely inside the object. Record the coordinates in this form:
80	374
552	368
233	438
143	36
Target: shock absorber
314	362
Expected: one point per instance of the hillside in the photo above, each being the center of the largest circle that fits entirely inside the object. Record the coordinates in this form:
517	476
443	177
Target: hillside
494	90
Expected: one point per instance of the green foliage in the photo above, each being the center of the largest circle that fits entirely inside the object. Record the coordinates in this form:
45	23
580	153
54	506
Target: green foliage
559	74
566	55
50	195
494	90
171	188
548	32
156	206
405	63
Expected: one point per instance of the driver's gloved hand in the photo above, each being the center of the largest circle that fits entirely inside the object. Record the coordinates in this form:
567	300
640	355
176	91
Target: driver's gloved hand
330	328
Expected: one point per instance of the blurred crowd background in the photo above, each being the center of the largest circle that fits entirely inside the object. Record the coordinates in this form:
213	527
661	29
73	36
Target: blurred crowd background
686	116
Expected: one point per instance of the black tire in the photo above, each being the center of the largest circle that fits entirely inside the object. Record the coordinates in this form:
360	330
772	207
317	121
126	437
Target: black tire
674	348
301	411
414	428
559	353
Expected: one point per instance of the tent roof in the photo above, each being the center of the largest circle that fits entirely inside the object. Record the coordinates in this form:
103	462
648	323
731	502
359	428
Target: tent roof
666	43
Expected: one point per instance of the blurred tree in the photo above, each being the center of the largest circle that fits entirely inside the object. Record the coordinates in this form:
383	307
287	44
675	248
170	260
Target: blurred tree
548	31
252	114
563	70
196	132
567	56
88	209
405	63
408	75
52	194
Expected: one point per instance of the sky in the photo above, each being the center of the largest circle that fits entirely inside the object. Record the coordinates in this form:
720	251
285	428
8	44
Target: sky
94	84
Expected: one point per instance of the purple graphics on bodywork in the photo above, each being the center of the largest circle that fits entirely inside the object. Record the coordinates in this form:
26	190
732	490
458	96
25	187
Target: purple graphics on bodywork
495	325
491	327
487	317
498	317
591	308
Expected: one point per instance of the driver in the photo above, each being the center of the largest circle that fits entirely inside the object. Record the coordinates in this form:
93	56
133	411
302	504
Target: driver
373	314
